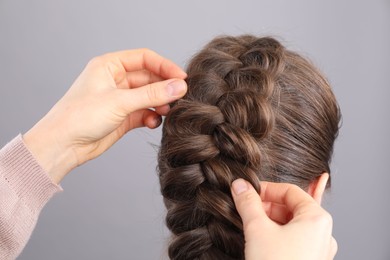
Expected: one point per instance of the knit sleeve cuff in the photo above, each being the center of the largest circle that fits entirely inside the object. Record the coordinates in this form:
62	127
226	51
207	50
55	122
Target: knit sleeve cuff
25	176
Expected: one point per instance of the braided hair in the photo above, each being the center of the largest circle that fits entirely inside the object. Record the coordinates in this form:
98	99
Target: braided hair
254	110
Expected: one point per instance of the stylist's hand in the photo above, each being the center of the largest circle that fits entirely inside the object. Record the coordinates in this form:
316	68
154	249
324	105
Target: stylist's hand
111	96
285	223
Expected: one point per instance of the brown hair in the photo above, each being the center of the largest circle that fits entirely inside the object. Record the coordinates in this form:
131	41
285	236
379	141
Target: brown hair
253	110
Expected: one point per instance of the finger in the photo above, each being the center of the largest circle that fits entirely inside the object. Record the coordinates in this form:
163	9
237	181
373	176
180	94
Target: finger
277	212
248	202
152	121
140	78
151	95
145	59
162	110
294	198
141	118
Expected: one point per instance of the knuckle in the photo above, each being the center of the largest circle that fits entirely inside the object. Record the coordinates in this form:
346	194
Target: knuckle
243	201
250	197
323	219
294	186
97	61
149	51
246	200
146	51
152	93
327	218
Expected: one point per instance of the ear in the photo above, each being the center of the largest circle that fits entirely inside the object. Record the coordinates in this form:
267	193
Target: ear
317	187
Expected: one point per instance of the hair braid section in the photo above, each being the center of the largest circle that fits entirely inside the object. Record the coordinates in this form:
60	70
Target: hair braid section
213	136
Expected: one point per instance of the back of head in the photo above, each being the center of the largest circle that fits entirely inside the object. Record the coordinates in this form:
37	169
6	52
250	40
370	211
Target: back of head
253	110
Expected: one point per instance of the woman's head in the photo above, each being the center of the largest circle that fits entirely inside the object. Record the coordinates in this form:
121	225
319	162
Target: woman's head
253	110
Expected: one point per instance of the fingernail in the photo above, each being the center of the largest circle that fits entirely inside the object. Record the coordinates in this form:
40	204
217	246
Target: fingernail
176	88
157	121
239	186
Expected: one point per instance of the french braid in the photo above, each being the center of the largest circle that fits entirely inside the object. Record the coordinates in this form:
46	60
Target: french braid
228	126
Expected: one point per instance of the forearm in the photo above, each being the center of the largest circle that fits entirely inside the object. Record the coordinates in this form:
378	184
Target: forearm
24	190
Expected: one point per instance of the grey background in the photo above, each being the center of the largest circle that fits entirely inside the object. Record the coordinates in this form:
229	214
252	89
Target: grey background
111	207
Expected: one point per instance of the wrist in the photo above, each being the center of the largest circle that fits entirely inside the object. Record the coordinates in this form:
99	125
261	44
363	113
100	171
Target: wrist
52	155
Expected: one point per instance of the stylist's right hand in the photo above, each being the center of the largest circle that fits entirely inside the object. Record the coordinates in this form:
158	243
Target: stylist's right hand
284	223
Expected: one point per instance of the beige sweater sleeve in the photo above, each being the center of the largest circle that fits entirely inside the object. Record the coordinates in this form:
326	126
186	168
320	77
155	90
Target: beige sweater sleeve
24	190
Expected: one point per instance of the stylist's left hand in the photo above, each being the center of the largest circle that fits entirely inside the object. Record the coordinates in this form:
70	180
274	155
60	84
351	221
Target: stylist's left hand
111	96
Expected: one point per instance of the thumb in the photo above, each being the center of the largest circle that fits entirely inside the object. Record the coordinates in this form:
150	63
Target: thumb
249	206
152	95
